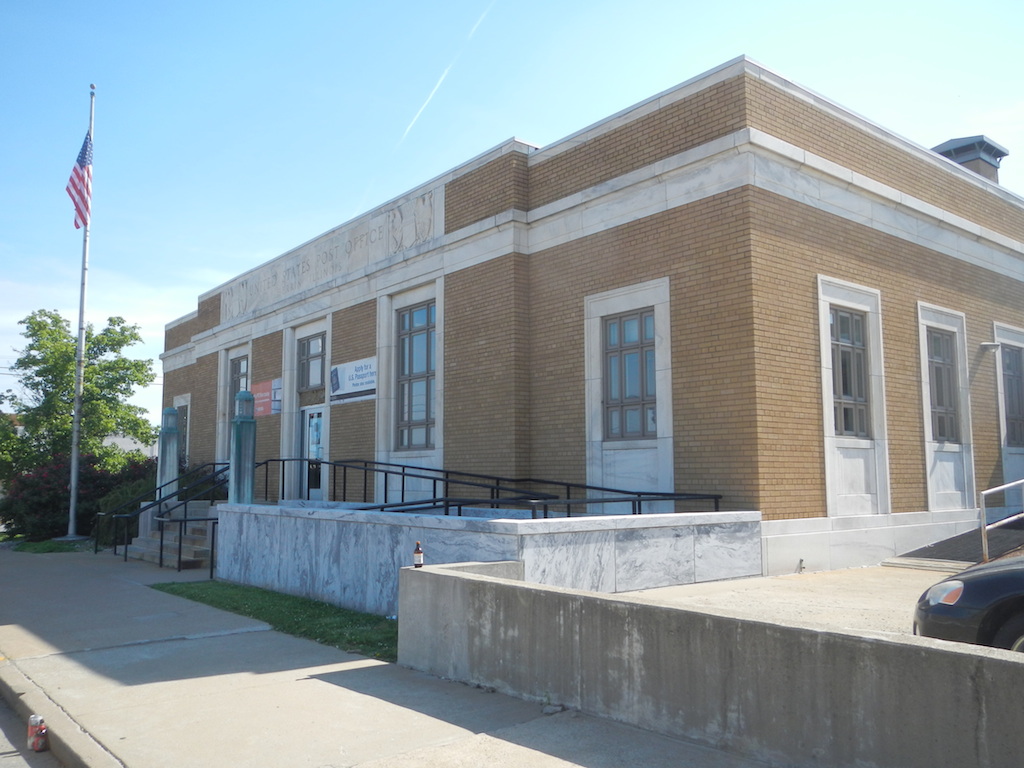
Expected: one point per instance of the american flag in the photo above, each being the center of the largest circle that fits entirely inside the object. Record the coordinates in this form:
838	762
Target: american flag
80	184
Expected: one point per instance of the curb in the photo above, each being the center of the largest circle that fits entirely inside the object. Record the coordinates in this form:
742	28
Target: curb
72	745
927	564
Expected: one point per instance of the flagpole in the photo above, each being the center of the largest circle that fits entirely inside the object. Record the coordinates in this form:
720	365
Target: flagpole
76	422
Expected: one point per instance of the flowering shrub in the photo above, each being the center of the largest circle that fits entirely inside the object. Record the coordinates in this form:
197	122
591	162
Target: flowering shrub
37	504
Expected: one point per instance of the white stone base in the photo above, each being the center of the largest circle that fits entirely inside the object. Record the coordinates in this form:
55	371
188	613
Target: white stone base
830	543
351	558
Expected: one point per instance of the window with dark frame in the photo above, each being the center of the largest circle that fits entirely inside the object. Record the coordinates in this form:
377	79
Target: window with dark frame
1013	394
415	370
850	372
944	385
630	386
311	362
239	375
183	454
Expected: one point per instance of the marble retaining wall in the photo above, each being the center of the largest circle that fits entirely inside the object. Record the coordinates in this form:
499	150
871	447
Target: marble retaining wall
351	558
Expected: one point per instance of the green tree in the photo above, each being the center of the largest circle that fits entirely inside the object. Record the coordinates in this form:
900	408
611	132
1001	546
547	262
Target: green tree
46	380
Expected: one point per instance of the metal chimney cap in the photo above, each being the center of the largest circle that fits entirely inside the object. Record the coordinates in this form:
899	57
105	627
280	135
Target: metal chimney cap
972	148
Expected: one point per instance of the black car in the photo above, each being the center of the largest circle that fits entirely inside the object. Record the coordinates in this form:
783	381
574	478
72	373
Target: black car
982	605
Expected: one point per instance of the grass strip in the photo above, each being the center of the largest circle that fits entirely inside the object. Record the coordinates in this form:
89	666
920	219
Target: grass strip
349	631
49	547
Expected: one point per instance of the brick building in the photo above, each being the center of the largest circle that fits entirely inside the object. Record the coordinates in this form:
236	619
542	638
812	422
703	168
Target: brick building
735	287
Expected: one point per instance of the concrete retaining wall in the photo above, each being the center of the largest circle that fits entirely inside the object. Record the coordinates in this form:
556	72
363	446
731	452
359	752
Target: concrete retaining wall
790	696
351	558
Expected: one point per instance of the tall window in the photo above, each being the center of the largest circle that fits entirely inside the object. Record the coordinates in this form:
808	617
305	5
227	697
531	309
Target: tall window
415	376
311	362
239	376
630	407
944	384
183	455
1013	393
849	372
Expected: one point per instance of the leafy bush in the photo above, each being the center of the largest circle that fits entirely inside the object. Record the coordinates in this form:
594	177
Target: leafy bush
37	504
119	497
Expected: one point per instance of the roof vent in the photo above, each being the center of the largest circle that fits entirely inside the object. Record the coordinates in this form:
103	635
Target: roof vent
977	153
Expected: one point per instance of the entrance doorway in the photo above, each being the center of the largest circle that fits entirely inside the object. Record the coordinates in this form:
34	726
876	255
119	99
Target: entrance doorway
313	453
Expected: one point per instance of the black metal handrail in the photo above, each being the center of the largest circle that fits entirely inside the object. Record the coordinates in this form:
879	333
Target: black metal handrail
181	522
179	499
499	482
544	505
406	472
501	490
132	504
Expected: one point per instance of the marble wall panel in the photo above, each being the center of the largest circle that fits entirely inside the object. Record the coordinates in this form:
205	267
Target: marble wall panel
654	557
352	558
727	551
583	560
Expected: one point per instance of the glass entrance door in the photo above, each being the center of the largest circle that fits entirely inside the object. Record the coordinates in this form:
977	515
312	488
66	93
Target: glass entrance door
313	453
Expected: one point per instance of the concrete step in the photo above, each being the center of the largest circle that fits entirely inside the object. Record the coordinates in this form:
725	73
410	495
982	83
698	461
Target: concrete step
192	530
927	564
170	557
197	508
194	548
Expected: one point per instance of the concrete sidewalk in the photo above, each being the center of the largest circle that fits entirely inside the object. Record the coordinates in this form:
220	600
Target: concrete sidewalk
128	676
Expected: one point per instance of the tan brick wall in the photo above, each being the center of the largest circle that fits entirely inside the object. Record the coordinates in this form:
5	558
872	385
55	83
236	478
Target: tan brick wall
702	248
352	437
353	425
798	122
487	368
714	112
176	382
209	314
207	317
689	122
495	187
354	332
203	411
179	335
747	390
793	244
266	360
742	267
200	381
265	365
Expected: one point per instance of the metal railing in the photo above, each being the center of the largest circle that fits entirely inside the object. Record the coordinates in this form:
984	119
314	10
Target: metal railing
198	484
181	522
540	507
356	480
983	522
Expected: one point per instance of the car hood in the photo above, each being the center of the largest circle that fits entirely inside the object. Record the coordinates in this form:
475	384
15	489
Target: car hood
996	566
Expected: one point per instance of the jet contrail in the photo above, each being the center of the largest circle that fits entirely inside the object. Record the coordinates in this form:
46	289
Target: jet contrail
425	103
480	21
444	74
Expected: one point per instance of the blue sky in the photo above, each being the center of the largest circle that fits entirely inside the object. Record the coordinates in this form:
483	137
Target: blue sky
229	132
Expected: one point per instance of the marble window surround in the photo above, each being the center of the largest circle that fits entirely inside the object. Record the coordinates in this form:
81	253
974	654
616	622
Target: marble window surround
348	557
856	469
958	455
637	464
